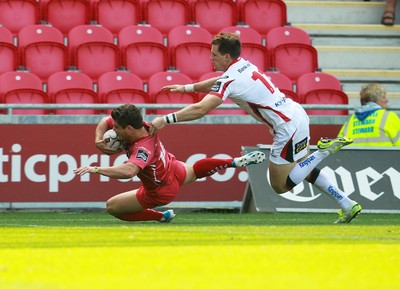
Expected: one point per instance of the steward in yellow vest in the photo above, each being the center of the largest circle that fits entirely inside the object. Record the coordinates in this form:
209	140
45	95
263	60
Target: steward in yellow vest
372	124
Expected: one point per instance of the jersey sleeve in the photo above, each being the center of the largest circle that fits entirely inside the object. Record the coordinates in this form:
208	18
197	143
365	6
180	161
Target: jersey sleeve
110	122
140	156
222	88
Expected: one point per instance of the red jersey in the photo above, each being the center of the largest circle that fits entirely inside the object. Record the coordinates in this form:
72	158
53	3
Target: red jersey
149	154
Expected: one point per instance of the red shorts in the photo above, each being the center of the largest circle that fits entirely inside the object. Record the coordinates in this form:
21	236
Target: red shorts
167	193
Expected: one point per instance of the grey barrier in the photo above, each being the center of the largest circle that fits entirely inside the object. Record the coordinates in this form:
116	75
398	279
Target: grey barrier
371	176
8	116
380	194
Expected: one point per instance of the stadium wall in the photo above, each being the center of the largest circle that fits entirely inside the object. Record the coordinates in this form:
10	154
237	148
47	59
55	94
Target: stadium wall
38	155
37	161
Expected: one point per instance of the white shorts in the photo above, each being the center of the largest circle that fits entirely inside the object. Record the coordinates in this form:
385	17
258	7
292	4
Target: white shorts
291	140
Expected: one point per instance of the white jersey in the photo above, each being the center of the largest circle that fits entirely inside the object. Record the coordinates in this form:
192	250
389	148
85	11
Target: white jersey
254	92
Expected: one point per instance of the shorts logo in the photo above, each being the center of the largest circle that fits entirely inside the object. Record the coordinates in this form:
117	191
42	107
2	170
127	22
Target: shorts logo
273	153
216	86
300	146
142	154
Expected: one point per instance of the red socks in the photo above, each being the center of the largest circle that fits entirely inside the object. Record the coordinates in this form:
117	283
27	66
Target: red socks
209	166
145	215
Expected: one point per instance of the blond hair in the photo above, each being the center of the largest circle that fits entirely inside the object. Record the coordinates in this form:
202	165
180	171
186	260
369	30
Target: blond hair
371	92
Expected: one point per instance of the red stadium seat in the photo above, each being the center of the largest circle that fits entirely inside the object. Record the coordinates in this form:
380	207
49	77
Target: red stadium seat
295	59
166	14
16	14
92	50
8	51
263	15
42	50
321	88
117	14
291	51
66	14
214	15
286	34
316	80
121	87
190	48
25	88
143	51
183	34
252	48
161	79
247	34
284	84
67	87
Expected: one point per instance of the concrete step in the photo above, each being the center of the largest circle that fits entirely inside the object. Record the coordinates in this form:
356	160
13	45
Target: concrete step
354	97
338	12
358	57
392	76
353	79
352	34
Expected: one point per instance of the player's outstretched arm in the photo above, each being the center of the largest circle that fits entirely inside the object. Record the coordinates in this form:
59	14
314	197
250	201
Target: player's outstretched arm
123	171
191	112
174	88
202	86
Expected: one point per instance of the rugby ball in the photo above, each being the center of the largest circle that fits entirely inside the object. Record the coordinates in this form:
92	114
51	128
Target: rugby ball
112	140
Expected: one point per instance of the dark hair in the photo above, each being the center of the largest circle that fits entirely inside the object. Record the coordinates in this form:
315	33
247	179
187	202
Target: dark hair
228	43
128	114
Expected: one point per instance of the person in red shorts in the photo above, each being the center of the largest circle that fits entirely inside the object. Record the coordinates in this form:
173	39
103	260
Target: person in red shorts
160	172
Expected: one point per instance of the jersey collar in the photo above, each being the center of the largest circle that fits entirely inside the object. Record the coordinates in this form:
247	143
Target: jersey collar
233	62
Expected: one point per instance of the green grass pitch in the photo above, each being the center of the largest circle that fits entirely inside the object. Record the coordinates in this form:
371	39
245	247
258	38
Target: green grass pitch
198	250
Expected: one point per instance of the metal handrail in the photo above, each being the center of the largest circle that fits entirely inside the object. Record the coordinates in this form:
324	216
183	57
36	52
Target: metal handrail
161	106
11	118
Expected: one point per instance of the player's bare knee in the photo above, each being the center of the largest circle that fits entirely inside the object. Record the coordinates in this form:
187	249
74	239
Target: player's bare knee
110	207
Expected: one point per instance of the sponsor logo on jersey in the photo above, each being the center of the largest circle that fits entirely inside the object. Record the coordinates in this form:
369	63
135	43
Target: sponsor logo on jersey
300	146
216	86
142	154
240	70
273	153
280	102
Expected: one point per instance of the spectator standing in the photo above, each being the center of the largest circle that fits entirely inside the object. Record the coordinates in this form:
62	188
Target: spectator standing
372	124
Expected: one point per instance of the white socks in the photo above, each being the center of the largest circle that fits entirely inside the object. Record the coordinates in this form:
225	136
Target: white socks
324	184
304	168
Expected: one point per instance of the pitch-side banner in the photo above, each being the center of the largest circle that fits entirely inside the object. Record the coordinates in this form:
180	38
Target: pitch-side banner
37	162
369	176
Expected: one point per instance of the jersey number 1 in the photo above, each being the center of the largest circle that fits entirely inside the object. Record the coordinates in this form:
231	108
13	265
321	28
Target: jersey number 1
260	76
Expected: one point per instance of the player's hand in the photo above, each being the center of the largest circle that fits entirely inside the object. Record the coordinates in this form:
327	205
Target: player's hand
174	88
84	170
101	145
157	124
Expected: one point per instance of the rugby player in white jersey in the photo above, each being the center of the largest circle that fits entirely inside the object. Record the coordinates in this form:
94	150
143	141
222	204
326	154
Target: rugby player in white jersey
290	159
